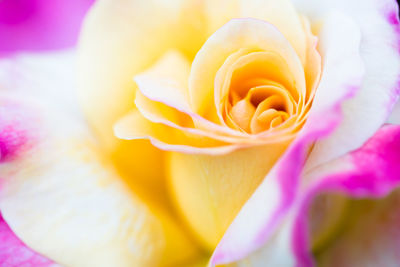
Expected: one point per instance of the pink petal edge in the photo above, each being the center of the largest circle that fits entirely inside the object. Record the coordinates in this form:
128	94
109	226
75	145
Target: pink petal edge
287	173
392	14
14	253
279	190
376	173
15	134
288	170
15	137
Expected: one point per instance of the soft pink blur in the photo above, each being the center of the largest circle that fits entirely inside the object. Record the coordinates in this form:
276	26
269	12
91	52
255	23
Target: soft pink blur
37	25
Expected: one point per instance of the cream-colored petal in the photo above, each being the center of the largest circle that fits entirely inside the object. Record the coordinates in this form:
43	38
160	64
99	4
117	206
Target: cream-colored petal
377	25
163	98
395	116
167	81
210	190
64	200
60	194
219	12
157	112
134	126
280	13
240	33
283	15
119	39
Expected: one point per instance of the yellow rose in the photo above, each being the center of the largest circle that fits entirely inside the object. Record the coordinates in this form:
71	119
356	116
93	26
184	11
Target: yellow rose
213	126
225	116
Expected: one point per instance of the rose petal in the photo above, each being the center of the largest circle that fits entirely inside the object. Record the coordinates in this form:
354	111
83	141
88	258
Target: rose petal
163	98
201	184
371	238
14	253
31	25
236	34
369	172
135	126
369	109
60	194
273	199
118	41
395	116
281	14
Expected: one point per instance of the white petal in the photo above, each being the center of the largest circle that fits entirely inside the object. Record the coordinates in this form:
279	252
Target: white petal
369	109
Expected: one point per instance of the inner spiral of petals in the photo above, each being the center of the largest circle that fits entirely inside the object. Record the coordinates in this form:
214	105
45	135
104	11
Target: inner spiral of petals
258	92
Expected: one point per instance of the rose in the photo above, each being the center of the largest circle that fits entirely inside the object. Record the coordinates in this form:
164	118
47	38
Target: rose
277	212
249	94
152	119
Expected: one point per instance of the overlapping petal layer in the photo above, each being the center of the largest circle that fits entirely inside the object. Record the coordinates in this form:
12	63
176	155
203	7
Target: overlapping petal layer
365	113
175	118
278	253
369	176
171	114
61	195
115	51
263	214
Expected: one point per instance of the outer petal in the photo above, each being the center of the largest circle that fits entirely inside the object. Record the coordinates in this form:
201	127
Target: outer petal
276	195
13	138
363	232
40	24
369	109
14	253
372	171
120	39
395	116
62	197
201	184
370	238
51	195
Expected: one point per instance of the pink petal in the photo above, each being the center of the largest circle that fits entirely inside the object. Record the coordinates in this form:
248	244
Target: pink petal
36	25
374	172
369	109
14	138
14	133
273	199
14	253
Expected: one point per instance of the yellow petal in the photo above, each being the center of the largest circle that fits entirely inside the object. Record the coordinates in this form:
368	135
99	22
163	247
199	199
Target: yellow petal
210	190
117	42
241	33
163	97
281	13
121	38
135	126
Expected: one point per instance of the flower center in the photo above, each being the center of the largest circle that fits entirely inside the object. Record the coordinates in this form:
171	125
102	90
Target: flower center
256	91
